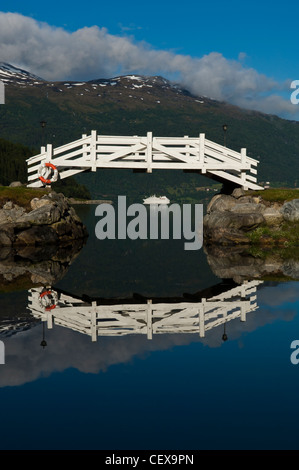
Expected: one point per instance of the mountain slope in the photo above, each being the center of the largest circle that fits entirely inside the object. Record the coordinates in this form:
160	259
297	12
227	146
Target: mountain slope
133	105
14	75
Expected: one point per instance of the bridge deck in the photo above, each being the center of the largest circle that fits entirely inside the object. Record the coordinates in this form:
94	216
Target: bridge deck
147	153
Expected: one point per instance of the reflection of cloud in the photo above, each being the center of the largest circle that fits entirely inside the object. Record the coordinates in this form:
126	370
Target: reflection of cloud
26	361
91	52
284	293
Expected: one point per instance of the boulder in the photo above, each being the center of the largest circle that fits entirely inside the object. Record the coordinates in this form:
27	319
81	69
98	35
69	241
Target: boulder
230	218
15	184
290	210
10	213
37	235
240	221
238	192
247	208
37	203
50	221
46	215
230	228
221	202
272	216
6	234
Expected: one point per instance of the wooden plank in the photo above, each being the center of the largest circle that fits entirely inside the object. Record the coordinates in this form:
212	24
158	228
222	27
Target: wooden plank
168	151
122	152
36	158
66	173
120	140
71	145
234	179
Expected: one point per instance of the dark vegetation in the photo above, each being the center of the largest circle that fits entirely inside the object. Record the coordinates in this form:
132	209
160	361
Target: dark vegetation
121	110
13	168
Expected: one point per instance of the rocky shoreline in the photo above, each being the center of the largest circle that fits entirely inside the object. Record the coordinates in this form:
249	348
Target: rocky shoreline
239	218
89	201
25	267
50	220
243	218
242	263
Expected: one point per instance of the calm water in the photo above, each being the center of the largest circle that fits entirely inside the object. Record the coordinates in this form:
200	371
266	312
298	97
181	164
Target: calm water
159	375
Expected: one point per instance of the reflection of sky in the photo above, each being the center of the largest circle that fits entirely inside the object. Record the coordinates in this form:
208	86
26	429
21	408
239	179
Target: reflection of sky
66	348
175	391
284	293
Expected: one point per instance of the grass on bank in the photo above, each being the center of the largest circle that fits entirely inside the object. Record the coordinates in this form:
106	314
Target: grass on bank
20	195
277	194
286	235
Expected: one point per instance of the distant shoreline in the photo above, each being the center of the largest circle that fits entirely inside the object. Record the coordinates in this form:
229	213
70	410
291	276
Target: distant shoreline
89	201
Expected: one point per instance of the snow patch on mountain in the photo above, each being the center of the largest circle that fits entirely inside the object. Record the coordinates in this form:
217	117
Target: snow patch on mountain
14	76
11	74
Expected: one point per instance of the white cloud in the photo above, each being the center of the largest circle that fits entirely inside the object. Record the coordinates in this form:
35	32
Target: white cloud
242	56
57	54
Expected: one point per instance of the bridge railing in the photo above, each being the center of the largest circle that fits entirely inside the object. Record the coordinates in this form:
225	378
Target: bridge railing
147	153
147	318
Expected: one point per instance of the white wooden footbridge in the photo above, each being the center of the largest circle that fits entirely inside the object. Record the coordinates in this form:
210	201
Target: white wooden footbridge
93	152
96	318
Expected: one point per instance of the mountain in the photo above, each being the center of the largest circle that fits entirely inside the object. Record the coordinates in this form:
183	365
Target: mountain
133	105
13	75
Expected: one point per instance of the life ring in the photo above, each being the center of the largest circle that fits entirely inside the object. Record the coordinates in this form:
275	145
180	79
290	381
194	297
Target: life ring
48	299
44	174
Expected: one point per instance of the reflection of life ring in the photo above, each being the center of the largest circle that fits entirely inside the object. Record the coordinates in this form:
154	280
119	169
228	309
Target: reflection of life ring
48	299
44	172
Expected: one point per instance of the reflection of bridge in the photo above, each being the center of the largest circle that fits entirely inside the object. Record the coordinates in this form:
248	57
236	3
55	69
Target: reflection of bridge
148	153
142	316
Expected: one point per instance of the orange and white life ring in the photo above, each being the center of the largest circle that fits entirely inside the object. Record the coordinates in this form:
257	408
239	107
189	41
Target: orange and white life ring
48	299
44	172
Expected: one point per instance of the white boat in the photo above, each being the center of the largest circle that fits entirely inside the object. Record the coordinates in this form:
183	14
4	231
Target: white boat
156	200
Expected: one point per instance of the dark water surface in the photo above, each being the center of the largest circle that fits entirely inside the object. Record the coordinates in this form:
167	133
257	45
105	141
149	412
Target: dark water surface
215	377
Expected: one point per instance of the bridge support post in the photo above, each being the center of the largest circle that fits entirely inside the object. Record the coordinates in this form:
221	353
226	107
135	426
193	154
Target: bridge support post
49	153
201	319
49	320
93	151
201	154
243	172
84	147
187	147
149	152
243	313
94	321
149	319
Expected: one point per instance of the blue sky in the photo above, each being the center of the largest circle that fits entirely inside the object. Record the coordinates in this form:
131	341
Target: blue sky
249	48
